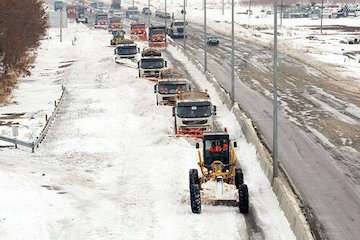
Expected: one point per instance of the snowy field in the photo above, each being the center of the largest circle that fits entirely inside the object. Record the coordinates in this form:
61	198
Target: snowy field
109	168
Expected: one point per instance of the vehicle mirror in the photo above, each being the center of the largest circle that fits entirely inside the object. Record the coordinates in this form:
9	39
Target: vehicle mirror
214	110
155	88
197	145
173	111
138	50
138	64
114	51
235	144
165	63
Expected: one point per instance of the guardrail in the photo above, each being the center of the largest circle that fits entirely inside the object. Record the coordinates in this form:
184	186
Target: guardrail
48	122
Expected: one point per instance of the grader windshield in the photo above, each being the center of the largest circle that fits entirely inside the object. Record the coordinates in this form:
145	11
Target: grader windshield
216	148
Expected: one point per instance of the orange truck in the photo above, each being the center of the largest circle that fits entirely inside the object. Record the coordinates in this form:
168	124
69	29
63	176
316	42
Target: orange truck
138	31
157	36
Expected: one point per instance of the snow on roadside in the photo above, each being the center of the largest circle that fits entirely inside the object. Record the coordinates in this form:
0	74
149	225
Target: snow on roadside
34	95
269	215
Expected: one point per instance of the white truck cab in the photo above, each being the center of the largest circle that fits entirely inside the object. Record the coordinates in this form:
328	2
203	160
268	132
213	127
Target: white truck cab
166	90
176	29
193	114
126	51
151	63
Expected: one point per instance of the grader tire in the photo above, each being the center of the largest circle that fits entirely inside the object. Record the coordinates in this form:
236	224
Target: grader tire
243	199
239	177
195	198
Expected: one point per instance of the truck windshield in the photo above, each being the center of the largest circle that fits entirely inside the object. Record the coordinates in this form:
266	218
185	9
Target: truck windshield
156	31
194	110
171	88
152	63
126	50
178	23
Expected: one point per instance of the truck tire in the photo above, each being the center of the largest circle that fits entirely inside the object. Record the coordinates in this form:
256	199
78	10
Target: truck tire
194	177
239	177
175	126
195	198
243	199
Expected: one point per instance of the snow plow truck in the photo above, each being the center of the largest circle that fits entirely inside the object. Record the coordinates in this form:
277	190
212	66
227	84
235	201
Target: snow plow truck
126	49
221	181
151	63
170	83
157	36
138	31
193	114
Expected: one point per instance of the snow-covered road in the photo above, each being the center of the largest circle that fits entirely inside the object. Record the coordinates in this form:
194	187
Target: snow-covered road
109	170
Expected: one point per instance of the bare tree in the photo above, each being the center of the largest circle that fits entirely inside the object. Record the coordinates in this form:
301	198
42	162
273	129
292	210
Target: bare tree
22	24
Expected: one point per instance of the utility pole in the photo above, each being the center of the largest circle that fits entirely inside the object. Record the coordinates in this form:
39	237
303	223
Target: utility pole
184	12
232	53
61	23
149	16
133	3
321	17
205	39
249	11
223	7
275	99
166	29
281	12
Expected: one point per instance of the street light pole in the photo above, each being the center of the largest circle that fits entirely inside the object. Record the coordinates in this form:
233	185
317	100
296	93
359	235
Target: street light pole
61	24
149	16
275	98
205	39
133	3
322	9
184	12
281	13
232	54
223	7
165	17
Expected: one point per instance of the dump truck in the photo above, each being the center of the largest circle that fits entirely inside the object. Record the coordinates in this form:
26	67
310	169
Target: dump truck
101	20
126	49
118	37
193	114
176	29
151	63
157	36
132	13
115	24
221	180
138	31
170	83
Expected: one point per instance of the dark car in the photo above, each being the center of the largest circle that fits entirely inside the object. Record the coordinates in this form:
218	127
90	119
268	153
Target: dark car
213	41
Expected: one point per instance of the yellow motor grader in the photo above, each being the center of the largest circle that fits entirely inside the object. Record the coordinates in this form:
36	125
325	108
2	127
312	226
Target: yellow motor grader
217	161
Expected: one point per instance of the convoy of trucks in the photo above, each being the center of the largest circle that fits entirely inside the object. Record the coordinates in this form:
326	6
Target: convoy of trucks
193	111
